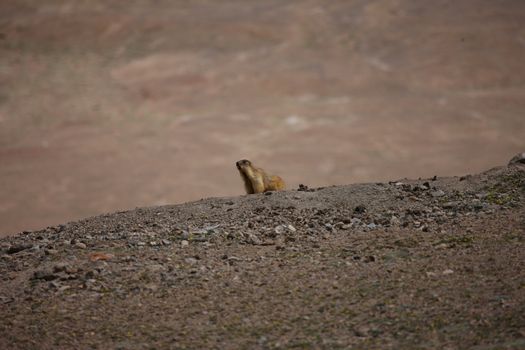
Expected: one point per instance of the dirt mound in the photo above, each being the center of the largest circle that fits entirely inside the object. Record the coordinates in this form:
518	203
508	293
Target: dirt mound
406	264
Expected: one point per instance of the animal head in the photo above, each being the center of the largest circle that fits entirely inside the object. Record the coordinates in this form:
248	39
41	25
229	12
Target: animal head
241	164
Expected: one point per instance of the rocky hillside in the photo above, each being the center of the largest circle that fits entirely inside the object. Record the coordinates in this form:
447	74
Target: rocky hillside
429	263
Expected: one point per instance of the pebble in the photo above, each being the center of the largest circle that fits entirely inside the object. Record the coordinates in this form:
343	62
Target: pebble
438	193
191	261
44	275
18	248
152	287
394	221
360	209
80	245
253	239
61	266
184	243
100	256
51	252
448	272
449	205
518	158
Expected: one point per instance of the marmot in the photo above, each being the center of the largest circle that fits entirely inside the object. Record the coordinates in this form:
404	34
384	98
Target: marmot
256	180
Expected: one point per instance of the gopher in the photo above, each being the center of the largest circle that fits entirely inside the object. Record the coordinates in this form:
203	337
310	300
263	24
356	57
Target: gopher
256	180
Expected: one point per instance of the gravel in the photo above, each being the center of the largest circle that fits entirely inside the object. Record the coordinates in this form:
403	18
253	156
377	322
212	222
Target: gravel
405	264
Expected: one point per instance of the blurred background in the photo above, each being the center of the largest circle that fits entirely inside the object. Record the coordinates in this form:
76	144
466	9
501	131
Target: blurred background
108	104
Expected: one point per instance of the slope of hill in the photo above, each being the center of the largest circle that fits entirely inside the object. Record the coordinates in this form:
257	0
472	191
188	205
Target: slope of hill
430	263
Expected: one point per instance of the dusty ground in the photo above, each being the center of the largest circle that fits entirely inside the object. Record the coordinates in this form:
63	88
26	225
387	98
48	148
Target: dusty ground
108	105
430	264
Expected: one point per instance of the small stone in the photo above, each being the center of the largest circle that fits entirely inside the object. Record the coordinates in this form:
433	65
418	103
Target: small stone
371	226
51	252
152	287
184	243
302	187
44	275
262	340
6	257
61	266
54	284
233	258
253	239
291	228
18	248
191	261
394	221
279	229
100	256
518	159
166	242
448	272
450	205
360	209
369	258
63	288
438	193
80	245
339	224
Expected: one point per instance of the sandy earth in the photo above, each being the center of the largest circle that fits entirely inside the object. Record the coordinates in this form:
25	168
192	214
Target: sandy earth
106	105
437	263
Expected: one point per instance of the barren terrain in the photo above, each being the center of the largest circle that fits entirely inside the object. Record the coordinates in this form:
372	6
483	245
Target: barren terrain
436	263
110	105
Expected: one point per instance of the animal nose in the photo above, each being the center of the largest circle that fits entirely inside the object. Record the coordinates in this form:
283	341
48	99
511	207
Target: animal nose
238	164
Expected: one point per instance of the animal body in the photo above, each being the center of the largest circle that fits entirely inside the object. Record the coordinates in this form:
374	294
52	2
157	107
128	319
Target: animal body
256	180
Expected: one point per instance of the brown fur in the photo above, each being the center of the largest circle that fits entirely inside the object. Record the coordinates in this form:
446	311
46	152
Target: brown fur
256	180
